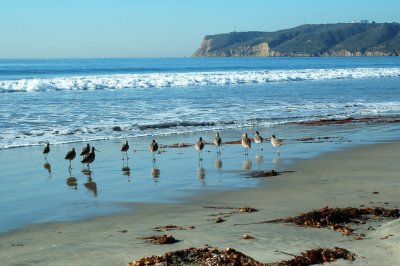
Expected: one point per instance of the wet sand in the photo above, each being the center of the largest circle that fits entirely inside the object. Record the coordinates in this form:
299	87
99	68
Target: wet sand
360	176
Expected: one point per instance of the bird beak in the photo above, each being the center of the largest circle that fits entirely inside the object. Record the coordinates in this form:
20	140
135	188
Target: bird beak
96	150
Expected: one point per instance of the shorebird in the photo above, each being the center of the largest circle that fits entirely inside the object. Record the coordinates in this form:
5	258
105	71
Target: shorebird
258	139
125	148
246	143
153	148
70	156
199	147
276	142
217	142
85	150
89	158
46	150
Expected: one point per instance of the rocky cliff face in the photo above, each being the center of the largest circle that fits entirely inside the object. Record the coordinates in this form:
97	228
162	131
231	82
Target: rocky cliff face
343	39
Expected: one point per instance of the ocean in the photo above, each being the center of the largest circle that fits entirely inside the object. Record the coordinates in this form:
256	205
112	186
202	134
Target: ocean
74	100
69	102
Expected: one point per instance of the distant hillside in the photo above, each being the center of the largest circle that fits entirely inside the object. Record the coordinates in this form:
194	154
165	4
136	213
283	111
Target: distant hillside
341	39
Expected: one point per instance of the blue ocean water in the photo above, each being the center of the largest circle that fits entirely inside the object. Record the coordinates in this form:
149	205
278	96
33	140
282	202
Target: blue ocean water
69	102
72	100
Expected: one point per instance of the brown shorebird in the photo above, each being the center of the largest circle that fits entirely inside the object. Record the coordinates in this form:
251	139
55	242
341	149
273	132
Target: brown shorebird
85	150
246	143
217	142
258	139
276	142
70	156
199	147
89	158
46	150
125	148
153	148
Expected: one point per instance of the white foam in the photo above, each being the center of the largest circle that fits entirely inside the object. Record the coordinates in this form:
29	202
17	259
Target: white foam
164	80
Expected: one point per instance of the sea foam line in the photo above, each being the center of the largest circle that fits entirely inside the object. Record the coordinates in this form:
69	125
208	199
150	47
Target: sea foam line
192	79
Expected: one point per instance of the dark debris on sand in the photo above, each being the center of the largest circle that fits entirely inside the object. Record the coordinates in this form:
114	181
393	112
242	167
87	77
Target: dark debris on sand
232	257
368	120
339	218
170	227
264	173
176	145
318	256
161	240
198	256
244	209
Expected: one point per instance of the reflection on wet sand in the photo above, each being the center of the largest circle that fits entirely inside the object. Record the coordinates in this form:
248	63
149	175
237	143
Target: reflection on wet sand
90	184
277	160
71	180
218	164
47	166
246	165
201	173
126	170
259	159
155	172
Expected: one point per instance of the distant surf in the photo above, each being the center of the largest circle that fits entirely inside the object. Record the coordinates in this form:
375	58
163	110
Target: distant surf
188	79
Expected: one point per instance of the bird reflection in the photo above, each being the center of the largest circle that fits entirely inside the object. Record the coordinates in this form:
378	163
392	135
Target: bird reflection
259	159
155	172
246	164
71	180
126	170
90	184
201	172
218	164
277	159
47	166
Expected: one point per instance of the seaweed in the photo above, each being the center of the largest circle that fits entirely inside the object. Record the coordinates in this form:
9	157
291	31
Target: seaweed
161	240
232	257
338	218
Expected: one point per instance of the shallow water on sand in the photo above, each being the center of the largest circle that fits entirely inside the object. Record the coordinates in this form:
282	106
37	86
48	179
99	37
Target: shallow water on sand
33	192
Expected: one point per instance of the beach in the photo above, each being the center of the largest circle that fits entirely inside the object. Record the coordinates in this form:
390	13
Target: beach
360	175
338	118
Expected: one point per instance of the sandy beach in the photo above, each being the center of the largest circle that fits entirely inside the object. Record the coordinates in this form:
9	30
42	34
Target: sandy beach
360	176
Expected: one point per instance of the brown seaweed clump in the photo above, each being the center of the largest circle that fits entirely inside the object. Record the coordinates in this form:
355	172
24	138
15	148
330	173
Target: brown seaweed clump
199	256
232	257
338	218
264	173
319	256
176	145
247	209
161	240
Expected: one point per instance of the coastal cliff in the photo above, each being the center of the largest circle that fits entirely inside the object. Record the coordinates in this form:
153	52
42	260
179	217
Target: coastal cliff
341	39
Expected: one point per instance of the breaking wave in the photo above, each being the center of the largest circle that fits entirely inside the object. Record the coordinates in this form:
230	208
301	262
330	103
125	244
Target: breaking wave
193	79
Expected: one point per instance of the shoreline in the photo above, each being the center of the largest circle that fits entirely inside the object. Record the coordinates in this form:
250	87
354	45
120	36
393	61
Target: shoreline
339	179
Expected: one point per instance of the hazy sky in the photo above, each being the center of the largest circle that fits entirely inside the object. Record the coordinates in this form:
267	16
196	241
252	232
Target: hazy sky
159	28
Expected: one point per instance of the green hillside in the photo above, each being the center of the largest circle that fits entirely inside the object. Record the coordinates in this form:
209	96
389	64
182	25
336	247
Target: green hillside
341	39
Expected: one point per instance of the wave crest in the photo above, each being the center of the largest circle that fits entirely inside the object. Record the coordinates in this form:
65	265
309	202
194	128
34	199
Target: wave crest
163	80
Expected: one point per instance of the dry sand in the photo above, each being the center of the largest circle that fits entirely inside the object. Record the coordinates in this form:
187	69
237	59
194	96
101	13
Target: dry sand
339	179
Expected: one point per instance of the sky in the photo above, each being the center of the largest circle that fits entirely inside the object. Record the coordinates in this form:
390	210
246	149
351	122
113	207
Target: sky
159	28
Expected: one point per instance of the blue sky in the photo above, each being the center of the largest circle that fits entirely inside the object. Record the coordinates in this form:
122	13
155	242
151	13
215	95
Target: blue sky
159	28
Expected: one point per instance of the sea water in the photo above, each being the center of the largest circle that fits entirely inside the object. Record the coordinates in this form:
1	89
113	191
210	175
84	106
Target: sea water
69	102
